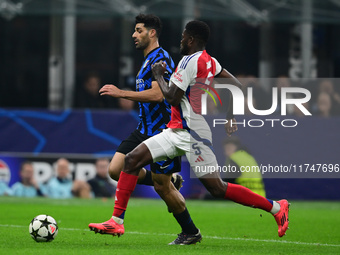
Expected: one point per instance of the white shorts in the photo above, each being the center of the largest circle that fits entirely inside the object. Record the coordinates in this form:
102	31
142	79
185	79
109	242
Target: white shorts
177	142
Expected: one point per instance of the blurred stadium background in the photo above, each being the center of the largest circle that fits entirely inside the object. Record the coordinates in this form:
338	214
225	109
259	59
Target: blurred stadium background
49	48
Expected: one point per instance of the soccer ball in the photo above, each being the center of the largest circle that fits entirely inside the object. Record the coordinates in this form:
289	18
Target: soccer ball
43	228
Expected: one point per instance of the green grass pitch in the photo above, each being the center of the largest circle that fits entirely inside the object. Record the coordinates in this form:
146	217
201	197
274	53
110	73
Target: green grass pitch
227	228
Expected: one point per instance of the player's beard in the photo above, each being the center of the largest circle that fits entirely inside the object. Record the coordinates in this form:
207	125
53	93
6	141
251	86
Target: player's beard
142	44
184	49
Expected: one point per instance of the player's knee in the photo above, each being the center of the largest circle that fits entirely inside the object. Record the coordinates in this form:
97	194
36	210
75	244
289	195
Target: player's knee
114	172
131	164
161	189
158	188
217	191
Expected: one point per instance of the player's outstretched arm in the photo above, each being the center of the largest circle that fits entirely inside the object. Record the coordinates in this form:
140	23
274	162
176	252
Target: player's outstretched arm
230	127
232	79
172	93
154	94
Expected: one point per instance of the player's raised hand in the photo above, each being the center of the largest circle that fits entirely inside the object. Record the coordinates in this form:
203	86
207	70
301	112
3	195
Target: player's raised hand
110	90
231	126
158	69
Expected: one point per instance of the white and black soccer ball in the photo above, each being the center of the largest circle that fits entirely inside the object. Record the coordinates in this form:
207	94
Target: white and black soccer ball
43	228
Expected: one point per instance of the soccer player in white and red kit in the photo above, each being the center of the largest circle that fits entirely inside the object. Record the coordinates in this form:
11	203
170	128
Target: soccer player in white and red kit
188	134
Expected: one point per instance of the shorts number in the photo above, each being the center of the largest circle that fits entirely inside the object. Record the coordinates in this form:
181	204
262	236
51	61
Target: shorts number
196	148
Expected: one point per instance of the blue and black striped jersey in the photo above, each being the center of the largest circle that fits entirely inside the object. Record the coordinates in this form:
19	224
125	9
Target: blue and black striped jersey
153	116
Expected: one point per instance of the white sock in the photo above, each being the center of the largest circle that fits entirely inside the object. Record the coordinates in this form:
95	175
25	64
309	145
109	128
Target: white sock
276	208
118	220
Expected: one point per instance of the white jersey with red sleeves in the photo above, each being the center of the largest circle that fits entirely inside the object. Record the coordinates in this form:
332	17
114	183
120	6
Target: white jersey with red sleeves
199	65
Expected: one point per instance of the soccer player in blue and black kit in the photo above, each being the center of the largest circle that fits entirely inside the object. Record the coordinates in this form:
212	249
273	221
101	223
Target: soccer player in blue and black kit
154	111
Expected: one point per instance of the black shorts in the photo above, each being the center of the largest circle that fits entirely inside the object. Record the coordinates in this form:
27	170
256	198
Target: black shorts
161	167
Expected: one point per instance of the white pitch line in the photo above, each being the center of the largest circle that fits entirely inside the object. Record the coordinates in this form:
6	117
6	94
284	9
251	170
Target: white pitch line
209	237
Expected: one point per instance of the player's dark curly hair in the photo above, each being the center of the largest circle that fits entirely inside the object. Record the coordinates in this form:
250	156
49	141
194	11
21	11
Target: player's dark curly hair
150	22
199	30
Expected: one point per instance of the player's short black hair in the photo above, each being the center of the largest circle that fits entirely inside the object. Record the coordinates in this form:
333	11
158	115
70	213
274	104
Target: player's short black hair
199	30
151	22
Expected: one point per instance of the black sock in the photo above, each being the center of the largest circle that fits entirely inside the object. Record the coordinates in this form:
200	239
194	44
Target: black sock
148	179
186	222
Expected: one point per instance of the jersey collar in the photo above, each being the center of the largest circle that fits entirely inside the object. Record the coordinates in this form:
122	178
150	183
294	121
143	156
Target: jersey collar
151	52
